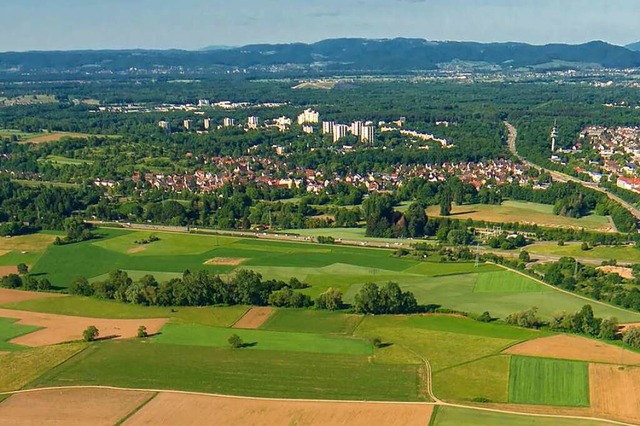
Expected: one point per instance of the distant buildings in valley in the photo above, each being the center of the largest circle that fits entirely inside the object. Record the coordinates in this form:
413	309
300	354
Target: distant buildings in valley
309	116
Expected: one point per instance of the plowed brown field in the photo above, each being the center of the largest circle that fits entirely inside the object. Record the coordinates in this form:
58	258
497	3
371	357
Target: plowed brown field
615	392
62	328
13	296
70	407
175	409
254	318
575	347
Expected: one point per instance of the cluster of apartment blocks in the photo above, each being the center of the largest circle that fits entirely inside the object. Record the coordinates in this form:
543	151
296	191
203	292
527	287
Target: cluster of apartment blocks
365	131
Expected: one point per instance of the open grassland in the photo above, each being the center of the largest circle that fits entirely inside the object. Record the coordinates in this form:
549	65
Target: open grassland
545	381
486	379
507	282
196	335
308	321
21	367
216	316
172	409
619	253
71	407
56	136
138	364
459	286
445	341
450	416
525	213
10	329
64	161
24	248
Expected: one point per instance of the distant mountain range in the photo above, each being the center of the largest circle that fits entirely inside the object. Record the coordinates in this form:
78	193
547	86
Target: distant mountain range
634	46
363	55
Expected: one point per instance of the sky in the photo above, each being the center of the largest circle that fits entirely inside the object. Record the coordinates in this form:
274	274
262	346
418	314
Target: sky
194	24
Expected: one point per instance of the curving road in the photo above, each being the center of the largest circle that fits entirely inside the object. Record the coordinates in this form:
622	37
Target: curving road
562	177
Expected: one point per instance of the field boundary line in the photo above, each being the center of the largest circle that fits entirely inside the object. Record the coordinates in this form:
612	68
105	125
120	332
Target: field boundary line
333	401
539	281
135	410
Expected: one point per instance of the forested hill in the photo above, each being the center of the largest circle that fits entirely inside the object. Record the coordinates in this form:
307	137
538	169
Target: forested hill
634	46
386	55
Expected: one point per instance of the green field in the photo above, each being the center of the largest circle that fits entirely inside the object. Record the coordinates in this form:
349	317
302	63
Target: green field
459	286
548	382
619	253
451	416
60	160
523	212
197	335
9	329
309	321
507	282
486	379
137	364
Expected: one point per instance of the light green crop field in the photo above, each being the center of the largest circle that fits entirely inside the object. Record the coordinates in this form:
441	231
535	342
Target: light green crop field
548	382
137	364
197	335
486	379
507	282
619	253
451	416
309	321
60	160
523	212
24	248
9	329
459	286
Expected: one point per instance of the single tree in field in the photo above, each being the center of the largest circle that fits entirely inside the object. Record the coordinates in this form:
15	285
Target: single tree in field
142	332
90	334
23	269
235	341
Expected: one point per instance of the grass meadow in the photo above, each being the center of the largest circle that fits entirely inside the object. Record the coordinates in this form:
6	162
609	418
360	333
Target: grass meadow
545	381
144	364
619	253
10	329
452	416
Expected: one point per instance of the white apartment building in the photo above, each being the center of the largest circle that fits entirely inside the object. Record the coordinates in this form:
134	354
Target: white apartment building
356	127
253	122
309	116
339	131
307	129
327	127
164	125
368	134
208	123
229	122
188	124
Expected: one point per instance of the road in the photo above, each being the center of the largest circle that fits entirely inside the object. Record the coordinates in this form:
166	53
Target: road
562	177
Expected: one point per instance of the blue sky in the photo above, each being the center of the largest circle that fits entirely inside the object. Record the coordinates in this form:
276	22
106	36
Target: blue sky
192	24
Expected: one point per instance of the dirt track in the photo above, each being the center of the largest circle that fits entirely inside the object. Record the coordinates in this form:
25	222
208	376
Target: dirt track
13	296
254	318
575	347
174	409
71	407
62	328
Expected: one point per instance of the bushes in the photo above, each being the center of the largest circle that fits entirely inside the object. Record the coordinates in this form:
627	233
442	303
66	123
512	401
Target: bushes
330	300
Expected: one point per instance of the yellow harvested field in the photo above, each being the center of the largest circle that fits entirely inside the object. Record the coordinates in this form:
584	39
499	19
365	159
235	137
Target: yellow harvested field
62	328
226	261
33	242
71	407
55	137
3	252
14	296
615	392
254	318
176	409
577	348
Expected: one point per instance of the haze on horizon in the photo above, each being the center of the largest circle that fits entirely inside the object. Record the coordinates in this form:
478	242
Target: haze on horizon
194	24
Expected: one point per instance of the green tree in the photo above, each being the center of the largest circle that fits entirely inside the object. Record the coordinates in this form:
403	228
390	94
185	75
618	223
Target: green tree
23	269
90	333
330	300
11	281
142	332
235	341
81	287
608	329
632	337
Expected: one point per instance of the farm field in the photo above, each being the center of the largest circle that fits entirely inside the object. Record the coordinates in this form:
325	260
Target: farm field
237	372
451	416
309	321
10	329
459	286
60	160
619	253
24	248
71	407
548	382
615	392
536	214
